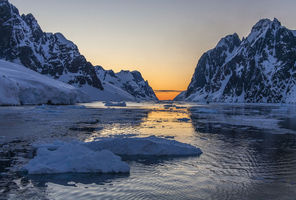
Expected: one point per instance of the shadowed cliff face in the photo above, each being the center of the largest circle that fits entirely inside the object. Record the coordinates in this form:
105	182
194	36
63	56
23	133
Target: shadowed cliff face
260	68
23	41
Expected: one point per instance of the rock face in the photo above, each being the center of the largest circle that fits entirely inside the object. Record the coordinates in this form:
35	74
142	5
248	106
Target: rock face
259	69
22	41
131	82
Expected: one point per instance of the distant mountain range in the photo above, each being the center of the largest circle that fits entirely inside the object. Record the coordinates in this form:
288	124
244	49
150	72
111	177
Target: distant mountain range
260	68
131	82
22	41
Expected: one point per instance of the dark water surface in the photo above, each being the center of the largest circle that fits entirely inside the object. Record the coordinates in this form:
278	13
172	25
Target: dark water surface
249	151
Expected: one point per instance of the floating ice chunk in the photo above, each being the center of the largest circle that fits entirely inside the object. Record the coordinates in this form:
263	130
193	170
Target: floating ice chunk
170	106
118	104
99	156
74	157
184	119
181	107
148	146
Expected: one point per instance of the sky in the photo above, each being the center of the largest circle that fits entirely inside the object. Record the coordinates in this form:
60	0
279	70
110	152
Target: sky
163	39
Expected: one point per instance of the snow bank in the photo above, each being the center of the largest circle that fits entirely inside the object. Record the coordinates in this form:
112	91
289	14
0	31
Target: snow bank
75	158
110	93
20	85
148	146
118	104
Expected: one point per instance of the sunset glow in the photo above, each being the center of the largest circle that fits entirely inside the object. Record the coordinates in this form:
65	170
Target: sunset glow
166	95
163	39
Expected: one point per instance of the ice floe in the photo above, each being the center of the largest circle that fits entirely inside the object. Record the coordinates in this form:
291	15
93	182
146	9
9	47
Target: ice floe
115	104
184	119
99	156
74	158
147	146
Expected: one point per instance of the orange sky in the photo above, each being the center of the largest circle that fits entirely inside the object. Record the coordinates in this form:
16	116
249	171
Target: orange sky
166	95
163	39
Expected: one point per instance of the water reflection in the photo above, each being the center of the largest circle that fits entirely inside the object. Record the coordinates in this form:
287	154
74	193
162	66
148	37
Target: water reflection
234	119
249	153
243	152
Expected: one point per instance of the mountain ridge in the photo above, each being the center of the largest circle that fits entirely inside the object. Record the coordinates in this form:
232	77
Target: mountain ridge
22	41
260	68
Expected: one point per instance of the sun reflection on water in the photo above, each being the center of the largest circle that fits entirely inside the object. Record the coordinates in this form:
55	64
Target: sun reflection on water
162	121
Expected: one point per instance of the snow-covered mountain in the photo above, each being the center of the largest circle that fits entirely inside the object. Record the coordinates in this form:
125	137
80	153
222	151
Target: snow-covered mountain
22	41
20	85
131	82
260	68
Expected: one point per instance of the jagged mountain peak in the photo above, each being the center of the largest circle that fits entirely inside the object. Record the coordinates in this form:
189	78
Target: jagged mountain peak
7	10
22	41
265	23
130	81
261	69
229	40
30	20
262	27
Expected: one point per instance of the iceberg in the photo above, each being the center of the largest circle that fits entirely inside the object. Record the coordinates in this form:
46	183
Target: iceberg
115	104
74	158
147	146
99	156
183	119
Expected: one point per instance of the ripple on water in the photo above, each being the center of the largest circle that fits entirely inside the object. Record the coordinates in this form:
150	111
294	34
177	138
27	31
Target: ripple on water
240	161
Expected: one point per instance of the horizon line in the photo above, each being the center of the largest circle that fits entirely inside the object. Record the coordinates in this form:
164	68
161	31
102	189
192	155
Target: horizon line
169	90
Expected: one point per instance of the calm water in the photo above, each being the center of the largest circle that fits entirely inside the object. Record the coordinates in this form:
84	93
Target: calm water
249	151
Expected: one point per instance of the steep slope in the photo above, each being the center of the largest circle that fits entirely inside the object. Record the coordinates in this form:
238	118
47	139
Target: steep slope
22	41
260	68
20	85
131	82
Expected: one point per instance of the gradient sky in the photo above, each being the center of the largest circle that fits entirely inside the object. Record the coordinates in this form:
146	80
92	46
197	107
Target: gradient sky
163	39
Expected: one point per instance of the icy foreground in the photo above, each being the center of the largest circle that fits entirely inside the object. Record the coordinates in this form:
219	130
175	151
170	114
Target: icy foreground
75	158
99	156
20	85
148	146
